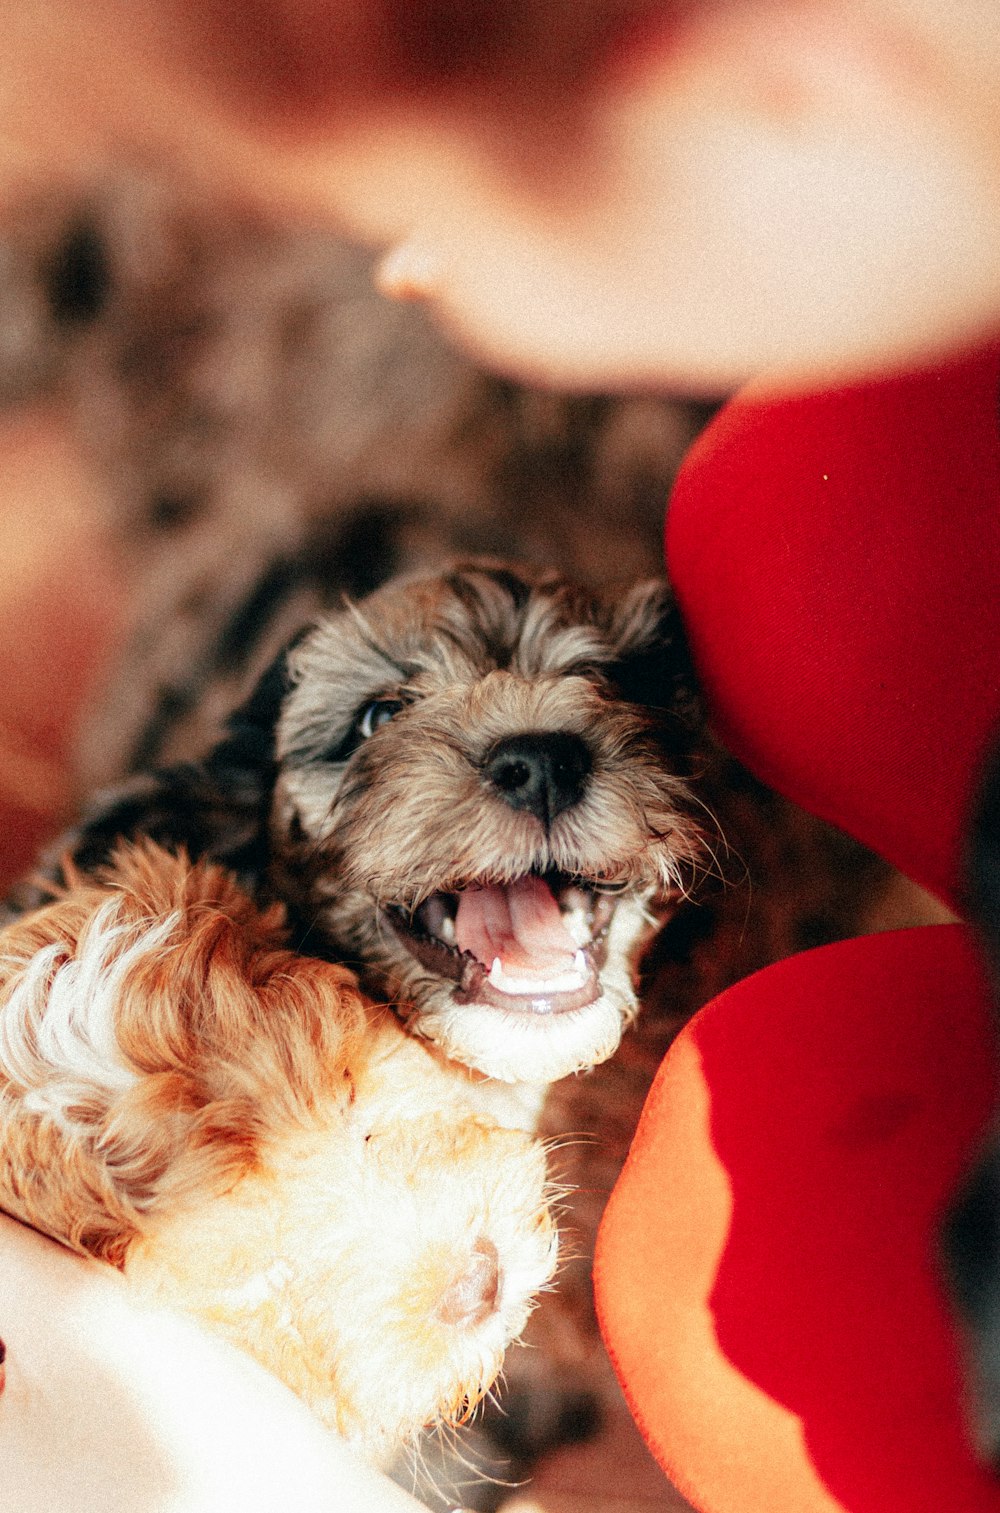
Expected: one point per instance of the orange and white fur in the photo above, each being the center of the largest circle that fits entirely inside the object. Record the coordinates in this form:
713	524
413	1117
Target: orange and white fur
252	1141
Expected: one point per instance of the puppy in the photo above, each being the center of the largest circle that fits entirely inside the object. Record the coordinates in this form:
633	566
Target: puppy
501	817
471	787
252	1141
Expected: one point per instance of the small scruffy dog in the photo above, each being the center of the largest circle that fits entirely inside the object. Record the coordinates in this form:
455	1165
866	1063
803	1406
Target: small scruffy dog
472	788
253	1142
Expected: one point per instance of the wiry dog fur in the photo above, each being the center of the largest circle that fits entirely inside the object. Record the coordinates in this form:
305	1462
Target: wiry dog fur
254	1142
368	784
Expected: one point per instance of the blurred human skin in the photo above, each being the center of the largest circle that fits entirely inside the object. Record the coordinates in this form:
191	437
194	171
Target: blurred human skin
618	193
111	1407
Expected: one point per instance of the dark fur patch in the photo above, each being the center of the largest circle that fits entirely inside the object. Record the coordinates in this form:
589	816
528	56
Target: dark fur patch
218	807
984	859
78	277
249	623
971	1234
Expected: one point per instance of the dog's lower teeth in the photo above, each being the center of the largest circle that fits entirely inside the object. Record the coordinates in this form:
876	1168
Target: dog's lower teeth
578	926
437	921
534	986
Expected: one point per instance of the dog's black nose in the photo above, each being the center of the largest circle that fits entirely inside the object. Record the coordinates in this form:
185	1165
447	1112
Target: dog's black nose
541	770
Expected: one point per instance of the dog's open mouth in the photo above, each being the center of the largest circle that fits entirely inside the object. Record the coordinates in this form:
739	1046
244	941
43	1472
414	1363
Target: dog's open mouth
535	945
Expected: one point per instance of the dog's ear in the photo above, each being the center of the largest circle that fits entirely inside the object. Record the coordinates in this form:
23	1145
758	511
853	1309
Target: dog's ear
217	807
652	663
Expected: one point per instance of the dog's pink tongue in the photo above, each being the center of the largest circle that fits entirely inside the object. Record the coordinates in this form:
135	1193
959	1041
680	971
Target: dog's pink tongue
520	923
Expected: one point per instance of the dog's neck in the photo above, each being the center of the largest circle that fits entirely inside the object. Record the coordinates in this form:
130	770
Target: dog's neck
514	1105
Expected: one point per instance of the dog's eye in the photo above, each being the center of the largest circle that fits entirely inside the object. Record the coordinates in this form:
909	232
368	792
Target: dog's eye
370	718
376	715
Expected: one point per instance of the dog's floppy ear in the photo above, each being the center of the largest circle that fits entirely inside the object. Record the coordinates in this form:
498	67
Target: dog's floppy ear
652	663
217	807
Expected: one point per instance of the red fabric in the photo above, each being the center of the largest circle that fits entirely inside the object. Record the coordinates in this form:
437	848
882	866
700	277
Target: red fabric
837	559
765	1271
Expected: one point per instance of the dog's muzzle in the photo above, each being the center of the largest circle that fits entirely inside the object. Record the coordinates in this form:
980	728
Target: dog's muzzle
542	771
534	945
472	1295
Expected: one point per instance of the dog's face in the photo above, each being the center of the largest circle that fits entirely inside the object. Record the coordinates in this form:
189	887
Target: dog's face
479	800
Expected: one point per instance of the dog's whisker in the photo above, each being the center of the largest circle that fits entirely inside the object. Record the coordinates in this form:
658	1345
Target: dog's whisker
719	870
570	1138
483	1467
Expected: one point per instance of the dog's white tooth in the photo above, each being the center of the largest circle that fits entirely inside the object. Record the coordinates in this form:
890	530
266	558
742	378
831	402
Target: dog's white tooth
434	918
578	926
563	982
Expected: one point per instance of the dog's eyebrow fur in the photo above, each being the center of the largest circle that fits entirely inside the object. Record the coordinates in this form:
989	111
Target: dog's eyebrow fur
404	670
495	600
465	590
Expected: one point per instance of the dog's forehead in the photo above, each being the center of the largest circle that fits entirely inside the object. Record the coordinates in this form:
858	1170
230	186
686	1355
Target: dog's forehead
463	623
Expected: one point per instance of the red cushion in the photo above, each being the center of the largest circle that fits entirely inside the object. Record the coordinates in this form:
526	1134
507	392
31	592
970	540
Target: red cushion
766	1274
837	558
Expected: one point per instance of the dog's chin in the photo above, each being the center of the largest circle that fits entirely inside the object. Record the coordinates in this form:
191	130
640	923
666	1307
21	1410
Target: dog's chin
527	1045
529	1028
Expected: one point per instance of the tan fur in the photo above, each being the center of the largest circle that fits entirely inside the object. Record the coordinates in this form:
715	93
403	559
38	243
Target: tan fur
254	1142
